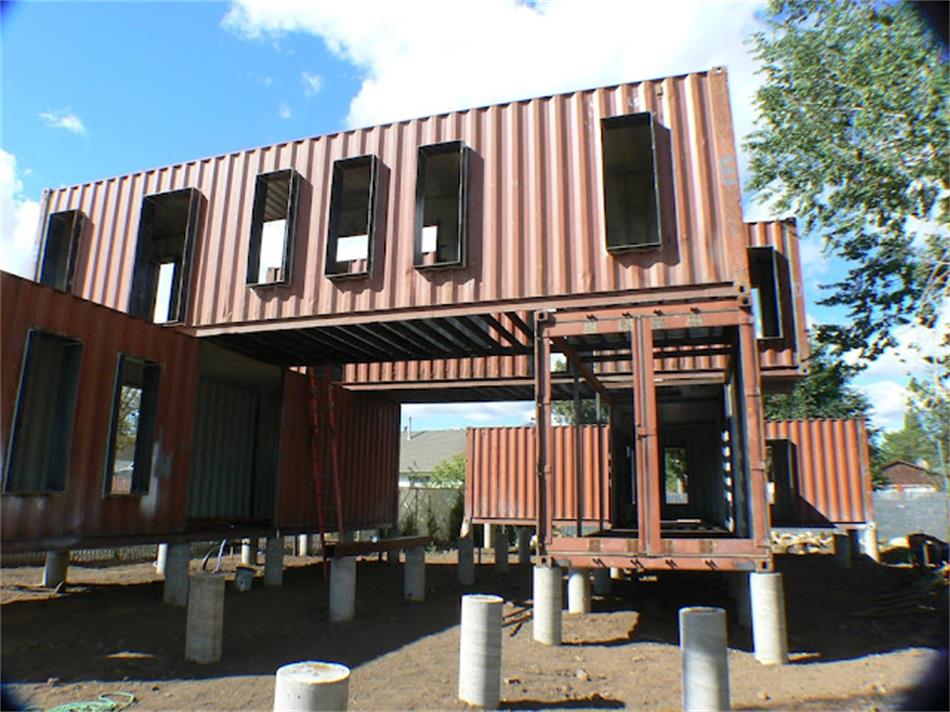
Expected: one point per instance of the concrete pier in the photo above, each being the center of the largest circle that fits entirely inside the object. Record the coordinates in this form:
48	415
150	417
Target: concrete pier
601	581
547	605
303	545
500	545
205	622
177	561
342	589
161	556
274	561
466	569
768	618
705	659
414	581
249	552
842	550
739	590
578	590
57	565
487	536
869	543
311	686
524	546
480	650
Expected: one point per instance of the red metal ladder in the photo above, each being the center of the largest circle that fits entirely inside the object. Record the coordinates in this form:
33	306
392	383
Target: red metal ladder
323	454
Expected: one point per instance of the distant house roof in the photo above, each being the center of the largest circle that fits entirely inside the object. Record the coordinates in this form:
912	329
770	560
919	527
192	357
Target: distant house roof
425	449
907	474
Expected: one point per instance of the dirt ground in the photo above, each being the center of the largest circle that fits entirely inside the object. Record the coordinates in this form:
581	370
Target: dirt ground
860	639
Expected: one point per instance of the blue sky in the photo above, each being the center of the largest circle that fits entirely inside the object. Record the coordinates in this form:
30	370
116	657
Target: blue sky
91	90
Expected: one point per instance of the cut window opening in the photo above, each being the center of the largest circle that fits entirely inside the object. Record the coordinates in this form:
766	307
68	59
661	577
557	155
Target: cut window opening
441	184
167	230
352	217
631	193
675	475
38	460
60	249
272	228
765	275
132	428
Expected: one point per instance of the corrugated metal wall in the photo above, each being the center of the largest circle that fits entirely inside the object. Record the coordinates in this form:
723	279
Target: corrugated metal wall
834	471
500	478
537	225
82	511
368	450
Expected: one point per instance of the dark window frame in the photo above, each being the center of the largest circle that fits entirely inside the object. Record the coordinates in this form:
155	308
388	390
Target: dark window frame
768	273
636	120
59	429
144	290
145	433
334	268
61	276
423	155
257	228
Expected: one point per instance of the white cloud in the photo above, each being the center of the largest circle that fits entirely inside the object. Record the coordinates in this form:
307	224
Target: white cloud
283	111
18	221
439	416
889	401
63	119
427	57
311	83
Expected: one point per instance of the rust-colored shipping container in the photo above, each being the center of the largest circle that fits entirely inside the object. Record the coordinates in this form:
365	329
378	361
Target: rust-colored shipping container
81	510
832	469
500	484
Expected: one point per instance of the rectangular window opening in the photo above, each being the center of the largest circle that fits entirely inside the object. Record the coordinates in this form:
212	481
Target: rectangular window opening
352	217
631	195
167	230
38	461
272	228
132	427
764	274
60	249
675	475
441	184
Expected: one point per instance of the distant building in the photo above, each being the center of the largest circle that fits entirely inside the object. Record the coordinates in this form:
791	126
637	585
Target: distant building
905	475
421	451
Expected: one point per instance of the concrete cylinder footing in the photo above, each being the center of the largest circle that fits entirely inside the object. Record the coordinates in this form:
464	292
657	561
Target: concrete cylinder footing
739	588
177	561
578	590
342	589
500	545
601	582
842	551
768	618
616	573
311	686
547	605
466	561
480	650
249	552
205	622
854	541
161	556
705	659
274	561
244	578
524	545
57	564
303	545
869	536
414	580
487	539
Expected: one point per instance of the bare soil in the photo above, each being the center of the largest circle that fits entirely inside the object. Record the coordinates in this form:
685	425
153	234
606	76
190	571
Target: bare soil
860	639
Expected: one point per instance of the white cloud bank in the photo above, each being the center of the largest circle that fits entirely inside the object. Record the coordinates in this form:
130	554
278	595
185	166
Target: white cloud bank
312	83
427	57
438	416
18	221
63	119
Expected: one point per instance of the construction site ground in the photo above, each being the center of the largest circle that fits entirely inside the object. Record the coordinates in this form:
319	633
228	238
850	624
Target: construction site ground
860	639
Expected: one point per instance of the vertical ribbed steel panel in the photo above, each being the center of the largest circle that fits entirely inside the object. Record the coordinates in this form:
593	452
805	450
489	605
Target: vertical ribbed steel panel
367	436
501	479
82	510
538	230
833	469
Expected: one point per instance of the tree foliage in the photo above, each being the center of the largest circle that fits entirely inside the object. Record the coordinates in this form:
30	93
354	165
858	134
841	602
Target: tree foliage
562	412
854	138
824	393
450	472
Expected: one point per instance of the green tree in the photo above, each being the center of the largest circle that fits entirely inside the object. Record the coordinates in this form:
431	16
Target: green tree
824	393
853	138
562	412
909	444
450	472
